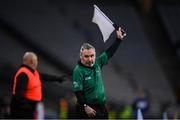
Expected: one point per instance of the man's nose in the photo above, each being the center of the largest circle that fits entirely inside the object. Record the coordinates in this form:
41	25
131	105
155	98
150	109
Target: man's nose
89	58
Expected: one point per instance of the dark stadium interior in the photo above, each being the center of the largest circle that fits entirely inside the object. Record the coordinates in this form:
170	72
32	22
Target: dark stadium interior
148	58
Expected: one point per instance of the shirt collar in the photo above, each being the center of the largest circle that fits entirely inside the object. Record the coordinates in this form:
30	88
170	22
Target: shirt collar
79	63
23	65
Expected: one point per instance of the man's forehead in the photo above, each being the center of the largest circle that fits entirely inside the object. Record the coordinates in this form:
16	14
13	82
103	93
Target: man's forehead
88	51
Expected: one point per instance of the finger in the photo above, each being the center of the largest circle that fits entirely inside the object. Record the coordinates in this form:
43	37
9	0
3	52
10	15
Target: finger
119	34
91	115
119	29
123	32
94	111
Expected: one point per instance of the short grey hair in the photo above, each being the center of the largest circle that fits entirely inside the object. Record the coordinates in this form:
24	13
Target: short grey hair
86	46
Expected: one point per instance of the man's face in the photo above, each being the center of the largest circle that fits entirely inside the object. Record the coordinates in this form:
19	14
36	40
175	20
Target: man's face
35	62
88	57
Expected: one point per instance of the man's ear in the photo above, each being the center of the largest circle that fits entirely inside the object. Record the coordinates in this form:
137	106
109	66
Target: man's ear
80	55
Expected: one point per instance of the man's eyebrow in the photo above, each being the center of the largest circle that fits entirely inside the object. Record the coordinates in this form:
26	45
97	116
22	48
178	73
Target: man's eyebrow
89	55
86	55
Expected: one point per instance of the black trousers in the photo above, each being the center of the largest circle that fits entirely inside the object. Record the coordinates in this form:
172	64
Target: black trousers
22	110
101	112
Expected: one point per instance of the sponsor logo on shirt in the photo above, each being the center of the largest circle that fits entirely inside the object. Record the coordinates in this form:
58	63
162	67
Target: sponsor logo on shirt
97	72
88	78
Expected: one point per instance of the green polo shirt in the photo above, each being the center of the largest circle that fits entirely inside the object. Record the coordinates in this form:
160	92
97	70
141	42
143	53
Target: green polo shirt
89	80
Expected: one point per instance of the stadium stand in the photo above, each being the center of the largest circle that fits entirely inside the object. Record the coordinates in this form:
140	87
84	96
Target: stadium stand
56	29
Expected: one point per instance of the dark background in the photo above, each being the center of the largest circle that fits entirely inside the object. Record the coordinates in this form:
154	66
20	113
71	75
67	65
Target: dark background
148	58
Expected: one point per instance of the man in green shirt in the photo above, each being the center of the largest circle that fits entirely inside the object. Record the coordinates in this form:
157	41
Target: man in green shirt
87	80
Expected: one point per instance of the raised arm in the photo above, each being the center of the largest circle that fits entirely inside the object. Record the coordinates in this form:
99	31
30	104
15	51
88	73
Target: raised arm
119	37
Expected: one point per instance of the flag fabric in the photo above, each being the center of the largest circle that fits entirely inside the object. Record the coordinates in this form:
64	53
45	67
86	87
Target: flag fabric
104	23
139	115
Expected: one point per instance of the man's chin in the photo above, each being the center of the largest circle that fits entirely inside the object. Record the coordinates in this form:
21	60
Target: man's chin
89	65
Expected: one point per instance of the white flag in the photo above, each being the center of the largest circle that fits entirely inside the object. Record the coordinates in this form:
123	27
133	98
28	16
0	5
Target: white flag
104	23
139	115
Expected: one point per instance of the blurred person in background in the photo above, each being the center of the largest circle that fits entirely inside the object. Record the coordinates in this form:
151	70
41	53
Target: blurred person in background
88	83
27	87
142	102
4	107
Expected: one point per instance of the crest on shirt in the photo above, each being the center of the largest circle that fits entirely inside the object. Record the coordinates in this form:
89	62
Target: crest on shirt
75	84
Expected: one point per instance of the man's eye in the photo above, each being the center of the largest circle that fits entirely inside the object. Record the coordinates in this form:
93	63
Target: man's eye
92	55
86	56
